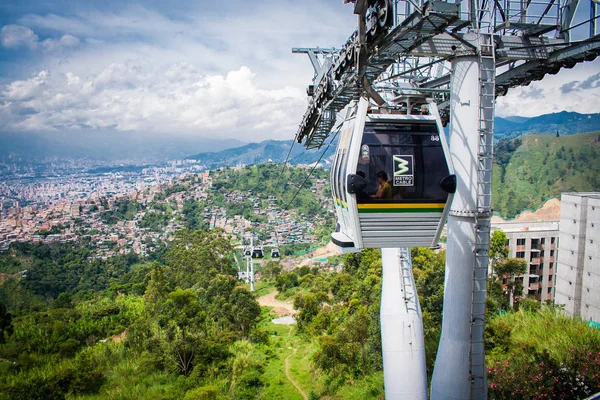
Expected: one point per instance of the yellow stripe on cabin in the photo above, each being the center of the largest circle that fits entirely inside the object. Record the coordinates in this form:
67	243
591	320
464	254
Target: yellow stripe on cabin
433	206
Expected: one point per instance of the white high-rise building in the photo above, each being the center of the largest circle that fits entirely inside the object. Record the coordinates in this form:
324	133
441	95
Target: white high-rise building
578	274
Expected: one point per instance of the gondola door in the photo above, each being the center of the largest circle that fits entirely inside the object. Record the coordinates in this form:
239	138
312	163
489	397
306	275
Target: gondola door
347	235
350	170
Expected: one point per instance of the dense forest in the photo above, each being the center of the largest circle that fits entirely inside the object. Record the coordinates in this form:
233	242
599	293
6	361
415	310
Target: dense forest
530	169
89	321
183	327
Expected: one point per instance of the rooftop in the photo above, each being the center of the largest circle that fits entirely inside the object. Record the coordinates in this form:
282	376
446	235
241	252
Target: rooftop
537	226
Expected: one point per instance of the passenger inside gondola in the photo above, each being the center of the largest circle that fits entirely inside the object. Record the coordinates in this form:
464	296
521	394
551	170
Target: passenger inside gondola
385	189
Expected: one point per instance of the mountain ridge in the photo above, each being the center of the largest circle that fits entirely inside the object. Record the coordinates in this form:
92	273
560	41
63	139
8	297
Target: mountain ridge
566	123
563	122
266	151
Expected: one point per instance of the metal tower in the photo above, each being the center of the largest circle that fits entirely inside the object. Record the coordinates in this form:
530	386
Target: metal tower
463	55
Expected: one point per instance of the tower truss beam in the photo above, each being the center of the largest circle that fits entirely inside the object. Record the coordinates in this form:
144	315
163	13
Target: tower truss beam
534	35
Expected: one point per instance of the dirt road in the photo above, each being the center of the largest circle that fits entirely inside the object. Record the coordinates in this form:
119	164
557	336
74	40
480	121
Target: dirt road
291	263
281	308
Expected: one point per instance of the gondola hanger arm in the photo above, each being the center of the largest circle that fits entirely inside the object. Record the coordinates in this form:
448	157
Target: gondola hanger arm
360	8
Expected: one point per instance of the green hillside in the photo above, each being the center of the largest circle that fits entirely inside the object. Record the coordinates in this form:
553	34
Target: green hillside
544	166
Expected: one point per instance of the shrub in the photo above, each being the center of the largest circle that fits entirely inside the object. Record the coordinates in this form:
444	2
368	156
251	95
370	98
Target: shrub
203	393
68	348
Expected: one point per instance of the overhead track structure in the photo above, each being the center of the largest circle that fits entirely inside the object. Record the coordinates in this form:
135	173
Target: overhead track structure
462	55
532	38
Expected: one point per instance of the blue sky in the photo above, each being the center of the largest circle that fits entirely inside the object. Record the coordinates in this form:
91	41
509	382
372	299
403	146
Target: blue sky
213	69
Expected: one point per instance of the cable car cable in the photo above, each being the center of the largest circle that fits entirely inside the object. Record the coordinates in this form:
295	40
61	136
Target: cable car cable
287	159
279	217
311	171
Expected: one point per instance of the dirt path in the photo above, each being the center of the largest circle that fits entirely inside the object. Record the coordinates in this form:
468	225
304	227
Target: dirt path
291	263
322	252
287	374
282	308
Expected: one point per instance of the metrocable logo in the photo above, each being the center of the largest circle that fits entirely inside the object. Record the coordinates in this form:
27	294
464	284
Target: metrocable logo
401	166
403	170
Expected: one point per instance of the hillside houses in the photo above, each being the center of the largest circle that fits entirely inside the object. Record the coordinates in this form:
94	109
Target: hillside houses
71	221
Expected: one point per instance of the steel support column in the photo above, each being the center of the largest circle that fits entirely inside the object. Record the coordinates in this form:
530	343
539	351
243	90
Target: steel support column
451	376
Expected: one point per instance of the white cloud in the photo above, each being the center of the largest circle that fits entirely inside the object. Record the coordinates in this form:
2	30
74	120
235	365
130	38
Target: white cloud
17	36
174	98
26	90
555	93
134	68
207	73
64	41
260	37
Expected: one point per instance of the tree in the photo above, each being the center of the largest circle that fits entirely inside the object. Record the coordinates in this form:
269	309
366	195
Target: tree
245	309
271	270
354	333
64	300
498	254
230	308
182	319
308	306
286	281
498	248
6	327
157	290
195	257
329	356
509	269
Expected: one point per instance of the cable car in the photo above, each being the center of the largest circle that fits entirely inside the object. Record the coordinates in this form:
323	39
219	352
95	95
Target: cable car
392	179
275	254
257	252
247	251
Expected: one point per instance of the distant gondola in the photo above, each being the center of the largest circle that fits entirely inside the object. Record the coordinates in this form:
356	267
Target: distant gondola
392	180
257	252
275	254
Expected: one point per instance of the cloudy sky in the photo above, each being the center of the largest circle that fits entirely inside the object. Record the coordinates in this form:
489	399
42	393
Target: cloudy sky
210	69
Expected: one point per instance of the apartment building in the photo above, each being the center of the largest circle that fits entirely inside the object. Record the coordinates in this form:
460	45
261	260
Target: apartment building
536	243
578	278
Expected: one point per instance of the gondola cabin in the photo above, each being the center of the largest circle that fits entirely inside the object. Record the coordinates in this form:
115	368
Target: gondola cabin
275	254
247	252
257	253
392	179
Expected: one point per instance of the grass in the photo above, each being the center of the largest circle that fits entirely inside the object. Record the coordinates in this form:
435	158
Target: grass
263	287
300	363
283	342
369	388
549	331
